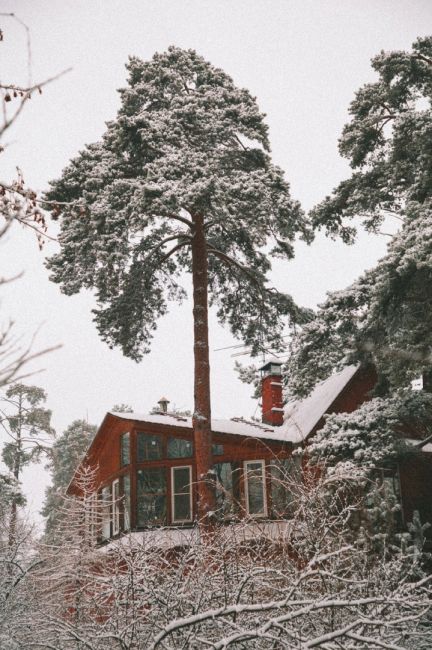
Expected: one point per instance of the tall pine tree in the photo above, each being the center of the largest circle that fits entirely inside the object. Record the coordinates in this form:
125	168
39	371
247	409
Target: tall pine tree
182	180
27	424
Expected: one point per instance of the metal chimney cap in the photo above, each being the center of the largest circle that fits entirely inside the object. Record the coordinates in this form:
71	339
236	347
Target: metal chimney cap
163	403
272	367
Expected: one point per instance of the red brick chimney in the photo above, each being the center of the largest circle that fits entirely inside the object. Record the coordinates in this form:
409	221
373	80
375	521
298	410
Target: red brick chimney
271	393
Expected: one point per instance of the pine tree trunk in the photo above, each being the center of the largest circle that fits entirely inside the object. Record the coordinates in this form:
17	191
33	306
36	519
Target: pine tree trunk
201	420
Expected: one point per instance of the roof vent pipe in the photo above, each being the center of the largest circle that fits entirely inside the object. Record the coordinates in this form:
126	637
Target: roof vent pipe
163	403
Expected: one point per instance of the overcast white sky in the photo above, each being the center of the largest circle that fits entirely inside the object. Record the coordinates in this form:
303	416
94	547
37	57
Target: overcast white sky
303	59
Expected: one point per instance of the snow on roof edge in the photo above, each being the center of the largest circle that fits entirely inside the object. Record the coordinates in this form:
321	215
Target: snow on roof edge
300	416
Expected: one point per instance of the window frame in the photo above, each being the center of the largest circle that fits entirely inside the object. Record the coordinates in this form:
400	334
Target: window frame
179	440
173	468
261	462
126	502
159	437
115	506
123	437
280	470
106	523
228	497
165	493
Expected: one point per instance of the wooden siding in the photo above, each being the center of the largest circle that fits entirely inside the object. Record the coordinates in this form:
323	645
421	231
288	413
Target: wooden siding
105	456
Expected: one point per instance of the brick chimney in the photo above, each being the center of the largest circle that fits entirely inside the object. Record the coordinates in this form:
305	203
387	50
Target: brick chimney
271	393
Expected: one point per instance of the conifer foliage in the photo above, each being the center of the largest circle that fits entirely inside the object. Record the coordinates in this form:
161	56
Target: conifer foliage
27	425
385	316
182	180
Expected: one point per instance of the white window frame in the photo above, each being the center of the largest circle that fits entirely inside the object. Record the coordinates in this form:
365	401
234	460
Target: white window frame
115	494
246	487
106	512
174	494
126	504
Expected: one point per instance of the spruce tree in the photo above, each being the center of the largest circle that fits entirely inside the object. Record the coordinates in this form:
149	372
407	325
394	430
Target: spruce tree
182	180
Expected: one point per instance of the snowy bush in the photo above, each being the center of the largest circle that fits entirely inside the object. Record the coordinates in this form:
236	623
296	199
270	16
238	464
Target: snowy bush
309	582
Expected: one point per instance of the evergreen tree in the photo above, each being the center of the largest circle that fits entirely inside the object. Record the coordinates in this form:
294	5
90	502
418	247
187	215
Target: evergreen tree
27	424
66	454
181	180
388	143
385	316
122	408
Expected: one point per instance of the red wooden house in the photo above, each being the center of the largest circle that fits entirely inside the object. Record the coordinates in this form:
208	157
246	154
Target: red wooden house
145	470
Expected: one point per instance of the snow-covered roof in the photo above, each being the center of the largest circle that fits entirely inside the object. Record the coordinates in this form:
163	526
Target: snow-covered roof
425	447
300	416
235	426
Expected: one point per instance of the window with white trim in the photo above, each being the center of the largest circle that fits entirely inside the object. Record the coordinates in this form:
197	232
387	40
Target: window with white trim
255	488
106	512
126	502
116	507
181	494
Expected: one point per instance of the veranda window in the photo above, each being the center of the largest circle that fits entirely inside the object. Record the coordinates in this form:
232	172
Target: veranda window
255	490
106	512
126	502
91	517
149	447
181	482
227	489
151	496
179	448
125	449
285	474
116	507
217	449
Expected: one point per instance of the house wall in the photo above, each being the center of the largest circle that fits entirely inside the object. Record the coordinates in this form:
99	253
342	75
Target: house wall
416	488
105	456
356	392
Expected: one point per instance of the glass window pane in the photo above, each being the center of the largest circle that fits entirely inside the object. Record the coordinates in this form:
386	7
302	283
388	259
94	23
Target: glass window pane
116	507
217	449
255	488
151	509
181	489
182	507
106	512
149	447
284	476
151	496
181	480
125	449
126	502
227	488
179	448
